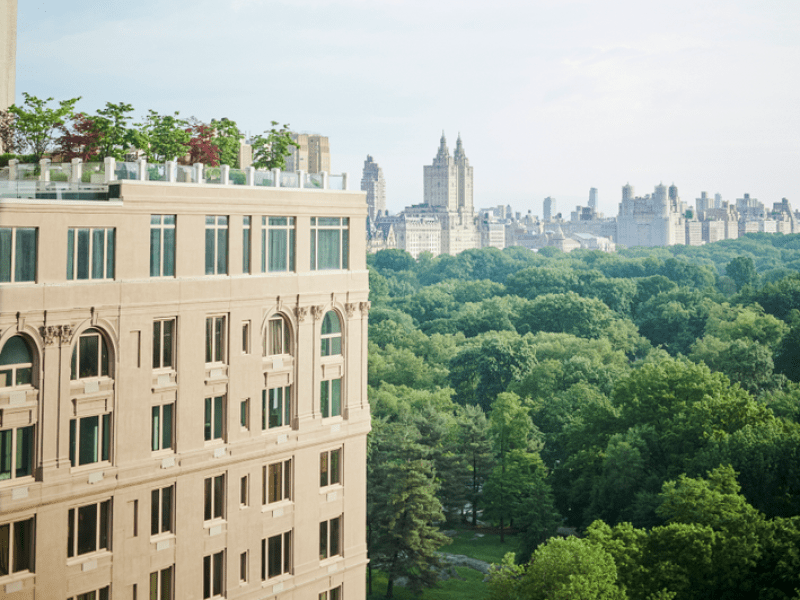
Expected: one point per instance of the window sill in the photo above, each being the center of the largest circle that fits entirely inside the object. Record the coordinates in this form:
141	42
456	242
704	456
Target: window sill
88	558
15	582
279	505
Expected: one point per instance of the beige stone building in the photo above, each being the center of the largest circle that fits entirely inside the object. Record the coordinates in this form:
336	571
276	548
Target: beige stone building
183	407
312	155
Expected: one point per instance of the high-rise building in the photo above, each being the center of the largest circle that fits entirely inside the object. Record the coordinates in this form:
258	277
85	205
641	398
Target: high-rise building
549	209
312	154
183	407
593	198
8	54
373	184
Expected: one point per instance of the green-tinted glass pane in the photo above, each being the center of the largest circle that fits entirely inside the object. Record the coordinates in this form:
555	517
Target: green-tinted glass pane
70	254
334	536
219	496
88	440
15	352
5	549
5	454
222	251
105	509
110	252
336	397
168	327
24	375
154	586
287	394
329	222
211	251
72	441
323	469
246	247
156	344
103	357
88	347
278	258
334	466
23	545
324	407
98	249
209	339
5	254
166	509
323	540
155	252
169	253
106	431
274	554
166	584
345	248
217	587
166	426
313	249
87	529
218	417
328	249
208	419
83	254
263	250
155	438
291	249
24	465
25	257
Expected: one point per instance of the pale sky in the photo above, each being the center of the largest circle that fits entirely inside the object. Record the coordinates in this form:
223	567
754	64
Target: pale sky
551	97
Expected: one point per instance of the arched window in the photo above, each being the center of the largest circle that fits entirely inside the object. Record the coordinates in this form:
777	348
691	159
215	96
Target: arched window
277	339
16	363
90	356
331	334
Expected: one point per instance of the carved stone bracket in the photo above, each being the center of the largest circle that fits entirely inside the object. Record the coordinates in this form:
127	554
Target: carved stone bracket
318	311
350	308
365	306
51	332
301	312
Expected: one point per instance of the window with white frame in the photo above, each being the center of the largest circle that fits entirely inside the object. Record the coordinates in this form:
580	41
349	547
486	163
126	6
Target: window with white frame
276	407
213	575
16	363
332	594
277	340
162	427
90	356
276	555
17	547
216	245
330	538
331	334
17	254
90	253
330	398
16	452
104	593
162	510
214	425
90	439
214	494
330	467
246	236
162	245
277	244
329	243
161	584
89	528
277	482
216	339
164	344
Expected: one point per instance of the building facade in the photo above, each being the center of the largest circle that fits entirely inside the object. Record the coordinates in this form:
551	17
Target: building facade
183	406
312	154
374	185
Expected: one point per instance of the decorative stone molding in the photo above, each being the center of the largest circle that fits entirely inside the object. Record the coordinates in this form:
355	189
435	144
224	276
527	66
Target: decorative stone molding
301	312
318	311
51	332
350	308
365	306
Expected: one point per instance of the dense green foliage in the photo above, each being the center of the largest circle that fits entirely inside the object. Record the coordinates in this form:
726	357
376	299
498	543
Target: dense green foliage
628	395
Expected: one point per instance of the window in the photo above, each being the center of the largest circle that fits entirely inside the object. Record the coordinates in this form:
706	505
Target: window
244	413
329	467
278	338
244	491
330	398
161	584
277	244
16	452
277	482
161	434
16	363
164	344
89	439
17	254
276	407
329	538
243	567
90	254
276	555
213	575
331	334
215	497
246	229
334	594
90	356
246	337
101	594
215	418
215	339
162	245
89	529
162	504
16	547
216	245
329	243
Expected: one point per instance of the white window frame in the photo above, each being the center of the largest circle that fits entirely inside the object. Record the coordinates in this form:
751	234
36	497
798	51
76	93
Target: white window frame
11	254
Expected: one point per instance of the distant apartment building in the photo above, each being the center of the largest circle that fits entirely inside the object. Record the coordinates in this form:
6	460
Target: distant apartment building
183	368
653	220
548	209
418	233
312	154
8	54
374	185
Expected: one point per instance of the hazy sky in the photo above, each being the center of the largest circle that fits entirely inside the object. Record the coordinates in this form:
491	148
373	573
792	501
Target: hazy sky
551	97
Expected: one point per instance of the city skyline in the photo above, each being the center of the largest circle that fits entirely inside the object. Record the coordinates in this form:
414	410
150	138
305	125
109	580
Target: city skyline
557	98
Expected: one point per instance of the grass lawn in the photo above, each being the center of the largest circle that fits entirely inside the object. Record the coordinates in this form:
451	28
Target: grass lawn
487	548
472	588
